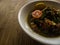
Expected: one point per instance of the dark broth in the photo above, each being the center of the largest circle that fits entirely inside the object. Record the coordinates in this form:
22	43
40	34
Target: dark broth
40	27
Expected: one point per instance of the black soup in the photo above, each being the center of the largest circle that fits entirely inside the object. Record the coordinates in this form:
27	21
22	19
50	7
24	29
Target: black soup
45	20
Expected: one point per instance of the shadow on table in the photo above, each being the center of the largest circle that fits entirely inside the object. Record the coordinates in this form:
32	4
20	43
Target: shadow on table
24	39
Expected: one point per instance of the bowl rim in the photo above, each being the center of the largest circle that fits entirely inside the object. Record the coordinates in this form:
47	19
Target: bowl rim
19	20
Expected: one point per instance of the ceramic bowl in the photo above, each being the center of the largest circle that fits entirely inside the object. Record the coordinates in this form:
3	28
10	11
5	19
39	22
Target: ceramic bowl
22	19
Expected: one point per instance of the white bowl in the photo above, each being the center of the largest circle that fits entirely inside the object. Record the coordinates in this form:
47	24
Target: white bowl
22	18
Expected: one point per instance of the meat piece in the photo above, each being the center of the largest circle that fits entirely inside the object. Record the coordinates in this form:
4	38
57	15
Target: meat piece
49	22
58	25
37	14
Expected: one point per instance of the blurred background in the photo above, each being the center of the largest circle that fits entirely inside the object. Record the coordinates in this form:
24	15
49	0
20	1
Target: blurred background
10	30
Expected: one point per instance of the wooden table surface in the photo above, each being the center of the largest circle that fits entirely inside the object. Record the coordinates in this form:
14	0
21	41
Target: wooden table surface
10	30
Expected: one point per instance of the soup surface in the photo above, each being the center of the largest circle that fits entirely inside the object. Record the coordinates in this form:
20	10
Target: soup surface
45	20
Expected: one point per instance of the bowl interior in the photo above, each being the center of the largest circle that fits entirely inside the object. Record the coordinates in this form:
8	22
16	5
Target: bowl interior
22	17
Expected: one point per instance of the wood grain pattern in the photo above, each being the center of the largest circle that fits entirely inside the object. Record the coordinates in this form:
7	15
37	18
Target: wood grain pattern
10	31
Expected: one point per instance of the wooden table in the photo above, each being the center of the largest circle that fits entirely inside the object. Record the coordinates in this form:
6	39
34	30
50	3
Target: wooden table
10	30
